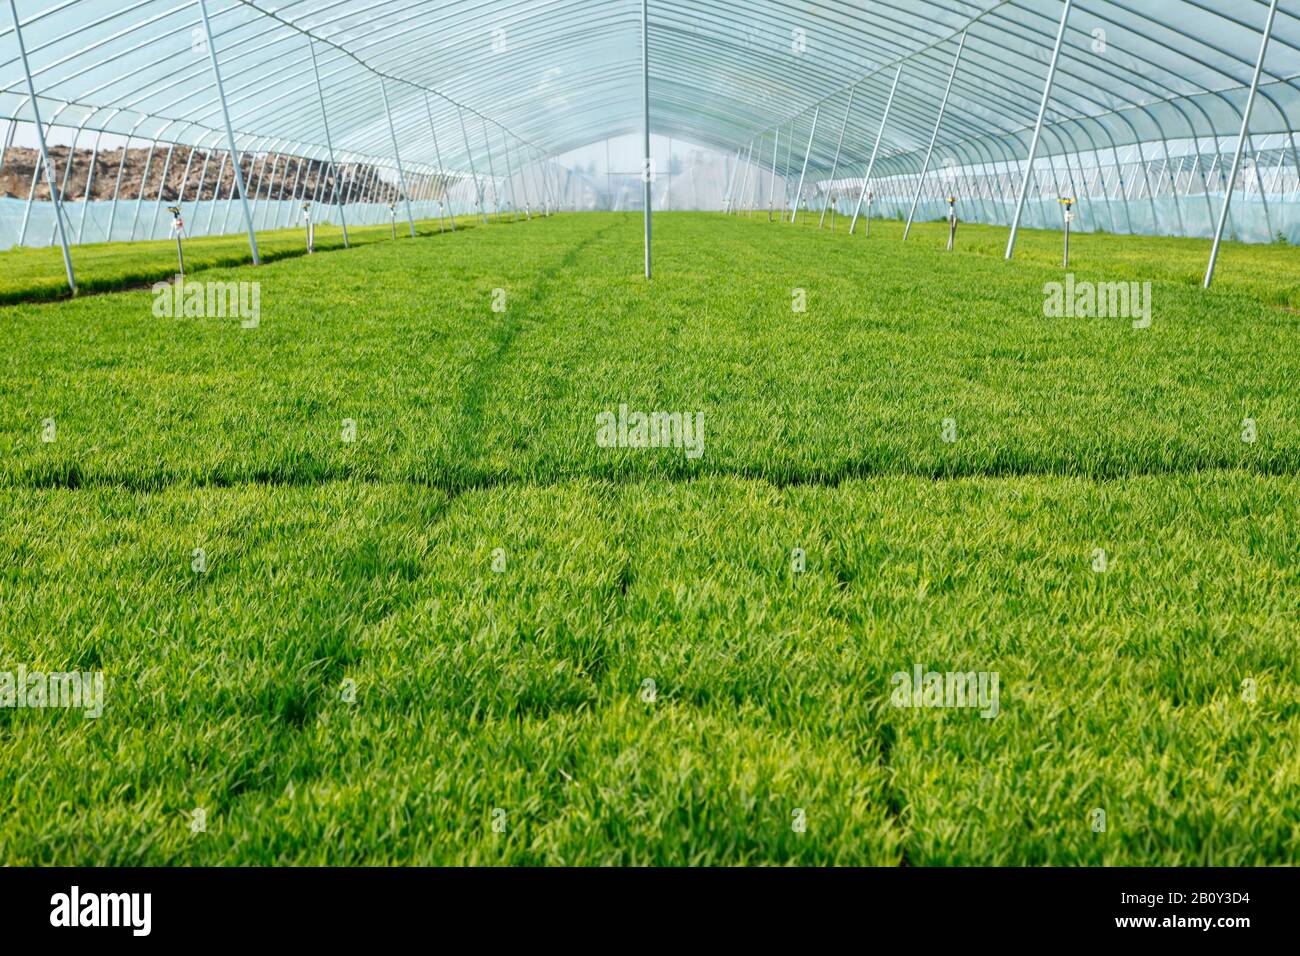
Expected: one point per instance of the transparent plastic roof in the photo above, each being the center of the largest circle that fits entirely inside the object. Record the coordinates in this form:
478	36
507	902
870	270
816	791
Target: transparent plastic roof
552	75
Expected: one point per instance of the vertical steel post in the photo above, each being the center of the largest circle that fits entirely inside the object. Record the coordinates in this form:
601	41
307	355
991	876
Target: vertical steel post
117	187
45	154
798	193
274	156
510	176
492	170
1241	142
442	172
90	185
934	137
1178	206
67	175
203	176
1038	128
469	154
507	186
785	174
668	178
871	164
216	194
401	176
835	164
36	176
144	180
293	190
162	185
1259	180
744	183
329	143
731	182
230	131
758	171
771	193
237	182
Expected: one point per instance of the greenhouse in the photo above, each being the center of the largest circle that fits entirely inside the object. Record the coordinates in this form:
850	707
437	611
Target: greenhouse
650	432
1150	118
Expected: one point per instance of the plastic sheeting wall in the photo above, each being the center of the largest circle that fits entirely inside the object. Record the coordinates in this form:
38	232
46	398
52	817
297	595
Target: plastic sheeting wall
1249	219
90	223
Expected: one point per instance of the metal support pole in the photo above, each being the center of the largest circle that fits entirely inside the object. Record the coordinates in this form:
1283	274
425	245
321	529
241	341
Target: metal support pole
162	185
117	186
478	187
1038	128
329	143
785	174
36	176
934	137
1241	143
67	175
866	180
237	182
668	178
442	172
1259	180
230	131
185	178
273	155
144	181
293	189
731	183
492	170
645	116
771	193
798	193
1173	178
510	178
522	156
45	154
401	176
349	181
758	173
216	193
835	164
744	183
90	185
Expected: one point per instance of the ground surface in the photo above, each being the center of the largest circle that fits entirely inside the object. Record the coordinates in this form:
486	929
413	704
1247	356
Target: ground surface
1162	691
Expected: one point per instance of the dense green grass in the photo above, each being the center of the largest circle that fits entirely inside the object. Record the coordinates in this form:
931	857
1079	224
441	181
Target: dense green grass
1269	273
371	562
37	273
